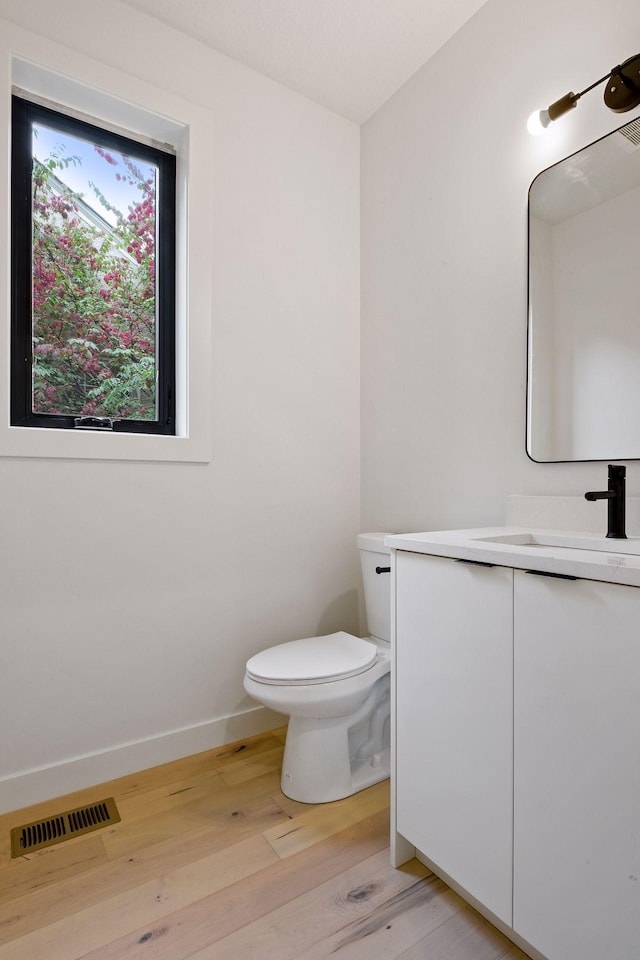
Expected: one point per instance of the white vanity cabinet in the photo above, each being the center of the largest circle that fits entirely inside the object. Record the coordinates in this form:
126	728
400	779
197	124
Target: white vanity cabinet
517	734
454	720
577	767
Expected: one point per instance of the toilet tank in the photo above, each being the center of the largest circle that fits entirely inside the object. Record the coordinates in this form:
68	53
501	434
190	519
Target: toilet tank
377	586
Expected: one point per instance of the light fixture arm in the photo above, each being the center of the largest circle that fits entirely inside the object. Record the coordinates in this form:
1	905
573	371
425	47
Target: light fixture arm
571	99
598	82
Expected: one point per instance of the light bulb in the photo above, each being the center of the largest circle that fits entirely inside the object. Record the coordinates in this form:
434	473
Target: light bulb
538	122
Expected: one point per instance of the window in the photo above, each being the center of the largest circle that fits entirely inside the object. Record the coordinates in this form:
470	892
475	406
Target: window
93	276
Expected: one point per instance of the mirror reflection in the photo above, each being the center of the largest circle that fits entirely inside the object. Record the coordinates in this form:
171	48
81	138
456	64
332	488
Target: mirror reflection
583	377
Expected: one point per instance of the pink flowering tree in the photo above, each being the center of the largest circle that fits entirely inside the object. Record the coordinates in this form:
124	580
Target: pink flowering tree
93	297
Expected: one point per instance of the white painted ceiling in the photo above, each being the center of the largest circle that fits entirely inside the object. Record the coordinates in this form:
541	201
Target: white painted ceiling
349	55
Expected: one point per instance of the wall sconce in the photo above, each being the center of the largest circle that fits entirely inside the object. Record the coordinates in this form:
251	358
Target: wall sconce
621	93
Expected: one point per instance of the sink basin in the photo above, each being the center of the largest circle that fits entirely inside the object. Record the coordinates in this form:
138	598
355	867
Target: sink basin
571	541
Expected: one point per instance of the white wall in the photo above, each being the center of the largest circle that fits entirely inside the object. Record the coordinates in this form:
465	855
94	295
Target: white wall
131	594
446	166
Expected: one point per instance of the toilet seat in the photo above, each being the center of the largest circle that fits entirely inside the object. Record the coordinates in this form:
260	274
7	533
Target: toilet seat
313	660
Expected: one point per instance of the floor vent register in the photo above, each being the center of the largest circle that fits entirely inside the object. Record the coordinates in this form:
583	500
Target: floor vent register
64	826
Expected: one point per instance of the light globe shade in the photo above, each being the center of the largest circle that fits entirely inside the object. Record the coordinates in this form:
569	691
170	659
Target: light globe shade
538	122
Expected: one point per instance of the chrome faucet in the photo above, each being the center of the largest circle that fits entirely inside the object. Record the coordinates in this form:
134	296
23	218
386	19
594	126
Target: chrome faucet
615	495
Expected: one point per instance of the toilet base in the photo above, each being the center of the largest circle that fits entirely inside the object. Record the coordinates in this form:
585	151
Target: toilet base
306	786
321	765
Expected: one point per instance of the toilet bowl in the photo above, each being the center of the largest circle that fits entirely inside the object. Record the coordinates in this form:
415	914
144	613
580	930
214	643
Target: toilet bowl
336	691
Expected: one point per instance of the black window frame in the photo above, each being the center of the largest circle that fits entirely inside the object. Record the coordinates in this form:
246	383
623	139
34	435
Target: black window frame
24	113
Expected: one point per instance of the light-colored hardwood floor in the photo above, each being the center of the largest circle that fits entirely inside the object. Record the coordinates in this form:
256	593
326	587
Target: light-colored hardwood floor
212	862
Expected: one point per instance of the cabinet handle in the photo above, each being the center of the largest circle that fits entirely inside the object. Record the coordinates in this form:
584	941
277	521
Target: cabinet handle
383	569
556	576
476	563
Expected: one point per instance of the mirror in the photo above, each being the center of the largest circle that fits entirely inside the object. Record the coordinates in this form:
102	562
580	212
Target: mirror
583	370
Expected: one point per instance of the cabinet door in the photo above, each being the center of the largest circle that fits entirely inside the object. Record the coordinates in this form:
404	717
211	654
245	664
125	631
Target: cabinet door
454	701
577	768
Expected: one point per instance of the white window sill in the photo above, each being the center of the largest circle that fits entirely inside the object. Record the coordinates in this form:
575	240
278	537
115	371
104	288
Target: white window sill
87	445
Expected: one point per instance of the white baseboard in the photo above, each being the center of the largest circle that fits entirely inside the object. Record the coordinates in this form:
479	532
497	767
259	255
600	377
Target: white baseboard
45	783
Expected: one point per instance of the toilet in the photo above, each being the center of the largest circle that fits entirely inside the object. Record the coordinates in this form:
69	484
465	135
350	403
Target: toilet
336	691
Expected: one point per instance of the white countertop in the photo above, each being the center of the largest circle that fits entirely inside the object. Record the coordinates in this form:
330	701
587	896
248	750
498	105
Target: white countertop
592	558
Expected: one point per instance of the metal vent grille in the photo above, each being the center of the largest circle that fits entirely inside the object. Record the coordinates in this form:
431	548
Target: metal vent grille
64	826
632	132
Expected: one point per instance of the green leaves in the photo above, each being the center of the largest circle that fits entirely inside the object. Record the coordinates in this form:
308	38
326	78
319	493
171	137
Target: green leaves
93	298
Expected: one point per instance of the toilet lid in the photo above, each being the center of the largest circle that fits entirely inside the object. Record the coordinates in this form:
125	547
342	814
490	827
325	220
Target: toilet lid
313	660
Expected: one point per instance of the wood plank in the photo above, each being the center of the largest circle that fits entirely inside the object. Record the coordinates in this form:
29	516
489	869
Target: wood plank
210	919
247	749
48	904
197	765
79	932
284	933
292	807
248	768
167	796
321	820
36	870
388	931
203	811
514	953
465	936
